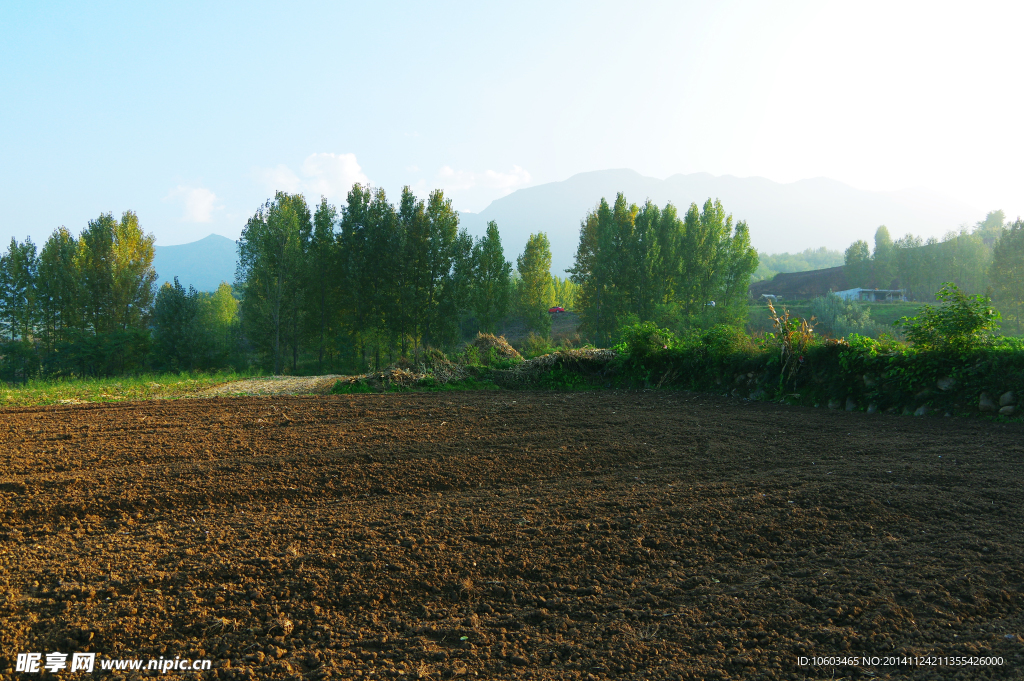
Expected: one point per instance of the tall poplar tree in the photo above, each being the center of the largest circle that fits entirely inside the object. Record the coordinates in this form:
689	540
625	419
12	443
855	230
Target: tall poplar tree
491	296
269	267
535	292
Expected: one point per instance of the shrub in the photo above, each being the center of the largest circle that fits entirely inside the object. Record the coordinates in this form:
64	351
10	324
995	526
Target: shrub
644	339
535	345
839	318
960	324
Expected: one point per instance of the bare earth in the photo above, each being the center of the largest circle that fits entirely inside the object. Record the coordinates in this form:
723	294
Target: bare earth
511	535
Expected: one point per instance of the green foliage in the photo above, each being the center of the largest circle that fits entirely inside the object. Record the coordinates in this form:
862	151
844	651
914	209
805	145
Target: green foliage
838	317
492	285
883	260
534	345
535	294
563	379
857	264
643	339
1007	273
960	324
647	264
351	388
810	259
565	292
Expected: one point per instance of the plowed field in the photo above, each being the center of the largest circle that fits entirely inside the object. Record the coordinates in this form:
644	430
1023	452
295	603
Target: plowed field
515	535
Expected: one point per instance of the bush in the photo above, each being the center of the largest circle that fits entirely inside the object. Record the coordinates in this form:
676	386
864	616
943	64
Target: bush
534	346
644	339
961	324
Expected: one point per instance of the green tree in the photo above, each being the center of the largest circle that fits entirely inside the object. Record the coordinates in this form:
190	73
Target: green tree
565	292
883	260
270	257
591	272
180	339
18	277
740	262
492	286
535	292
857	264
1007	273
321	275
59	289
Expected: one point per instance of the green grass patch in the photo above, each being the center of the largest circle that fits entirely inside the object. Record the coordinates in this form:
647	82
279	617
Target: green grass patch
165	386
430	385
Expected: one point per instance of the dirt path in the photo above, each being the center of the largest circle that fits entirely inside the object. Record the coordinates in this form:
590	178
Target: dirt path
274	385
511	535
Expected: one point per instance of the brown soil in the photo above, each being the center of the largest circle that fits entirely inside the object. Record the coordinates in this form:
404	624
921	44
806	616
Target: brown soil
510	535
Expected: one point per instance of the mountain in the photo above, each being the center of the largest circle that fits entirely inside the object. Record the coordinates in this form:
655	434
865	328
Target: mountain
203	264
782	217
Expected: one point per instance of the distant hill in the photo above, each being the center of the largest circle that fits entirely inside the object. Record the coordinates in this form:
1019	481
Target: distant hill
782	217
203	264
802	285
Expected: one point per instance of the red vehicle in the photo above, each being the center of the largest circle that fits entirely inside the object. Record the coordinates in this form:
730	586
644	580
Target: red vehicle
556	309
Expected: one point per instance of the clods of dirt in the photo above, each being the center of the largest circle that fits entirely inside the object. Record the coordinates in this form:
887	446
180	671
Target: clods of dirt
516	535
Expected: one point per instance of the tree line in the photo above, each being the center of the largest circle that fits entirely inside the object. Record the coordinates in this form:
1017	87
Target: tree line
79	305
372	281
356	286
985	259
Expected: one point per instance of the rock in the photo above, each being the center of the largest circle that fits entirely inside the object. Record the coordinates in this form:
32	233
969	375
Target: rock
833	404
1007	410
851	404
869	381
985	403
872	408
945	384
921	411
1006	399
519	660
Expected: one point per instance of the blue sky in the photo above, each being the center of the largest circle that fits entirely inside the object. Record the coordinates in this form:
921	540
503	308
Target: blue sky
192	115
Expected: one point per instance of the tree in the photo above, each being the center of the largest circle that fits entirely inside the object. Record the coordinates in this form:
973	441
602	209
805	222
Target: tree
740	262
179	337
270	256
492	280
701	256
883	261
321	275
116	266
535	293
18	276
439	286
1007	272
858	264
591	272
59	289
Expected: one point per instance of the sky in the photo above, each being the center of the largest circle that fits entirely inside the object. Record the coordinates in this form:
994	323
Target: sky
192	114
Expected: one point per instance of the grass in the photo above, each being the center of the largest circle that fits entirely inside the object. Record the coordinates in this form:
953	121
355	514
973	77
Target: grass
166	386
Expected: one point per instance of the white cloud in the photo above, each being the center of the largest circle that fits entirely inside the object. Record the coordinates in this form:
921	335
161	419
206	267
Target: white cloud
199	203
456	180
330	175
